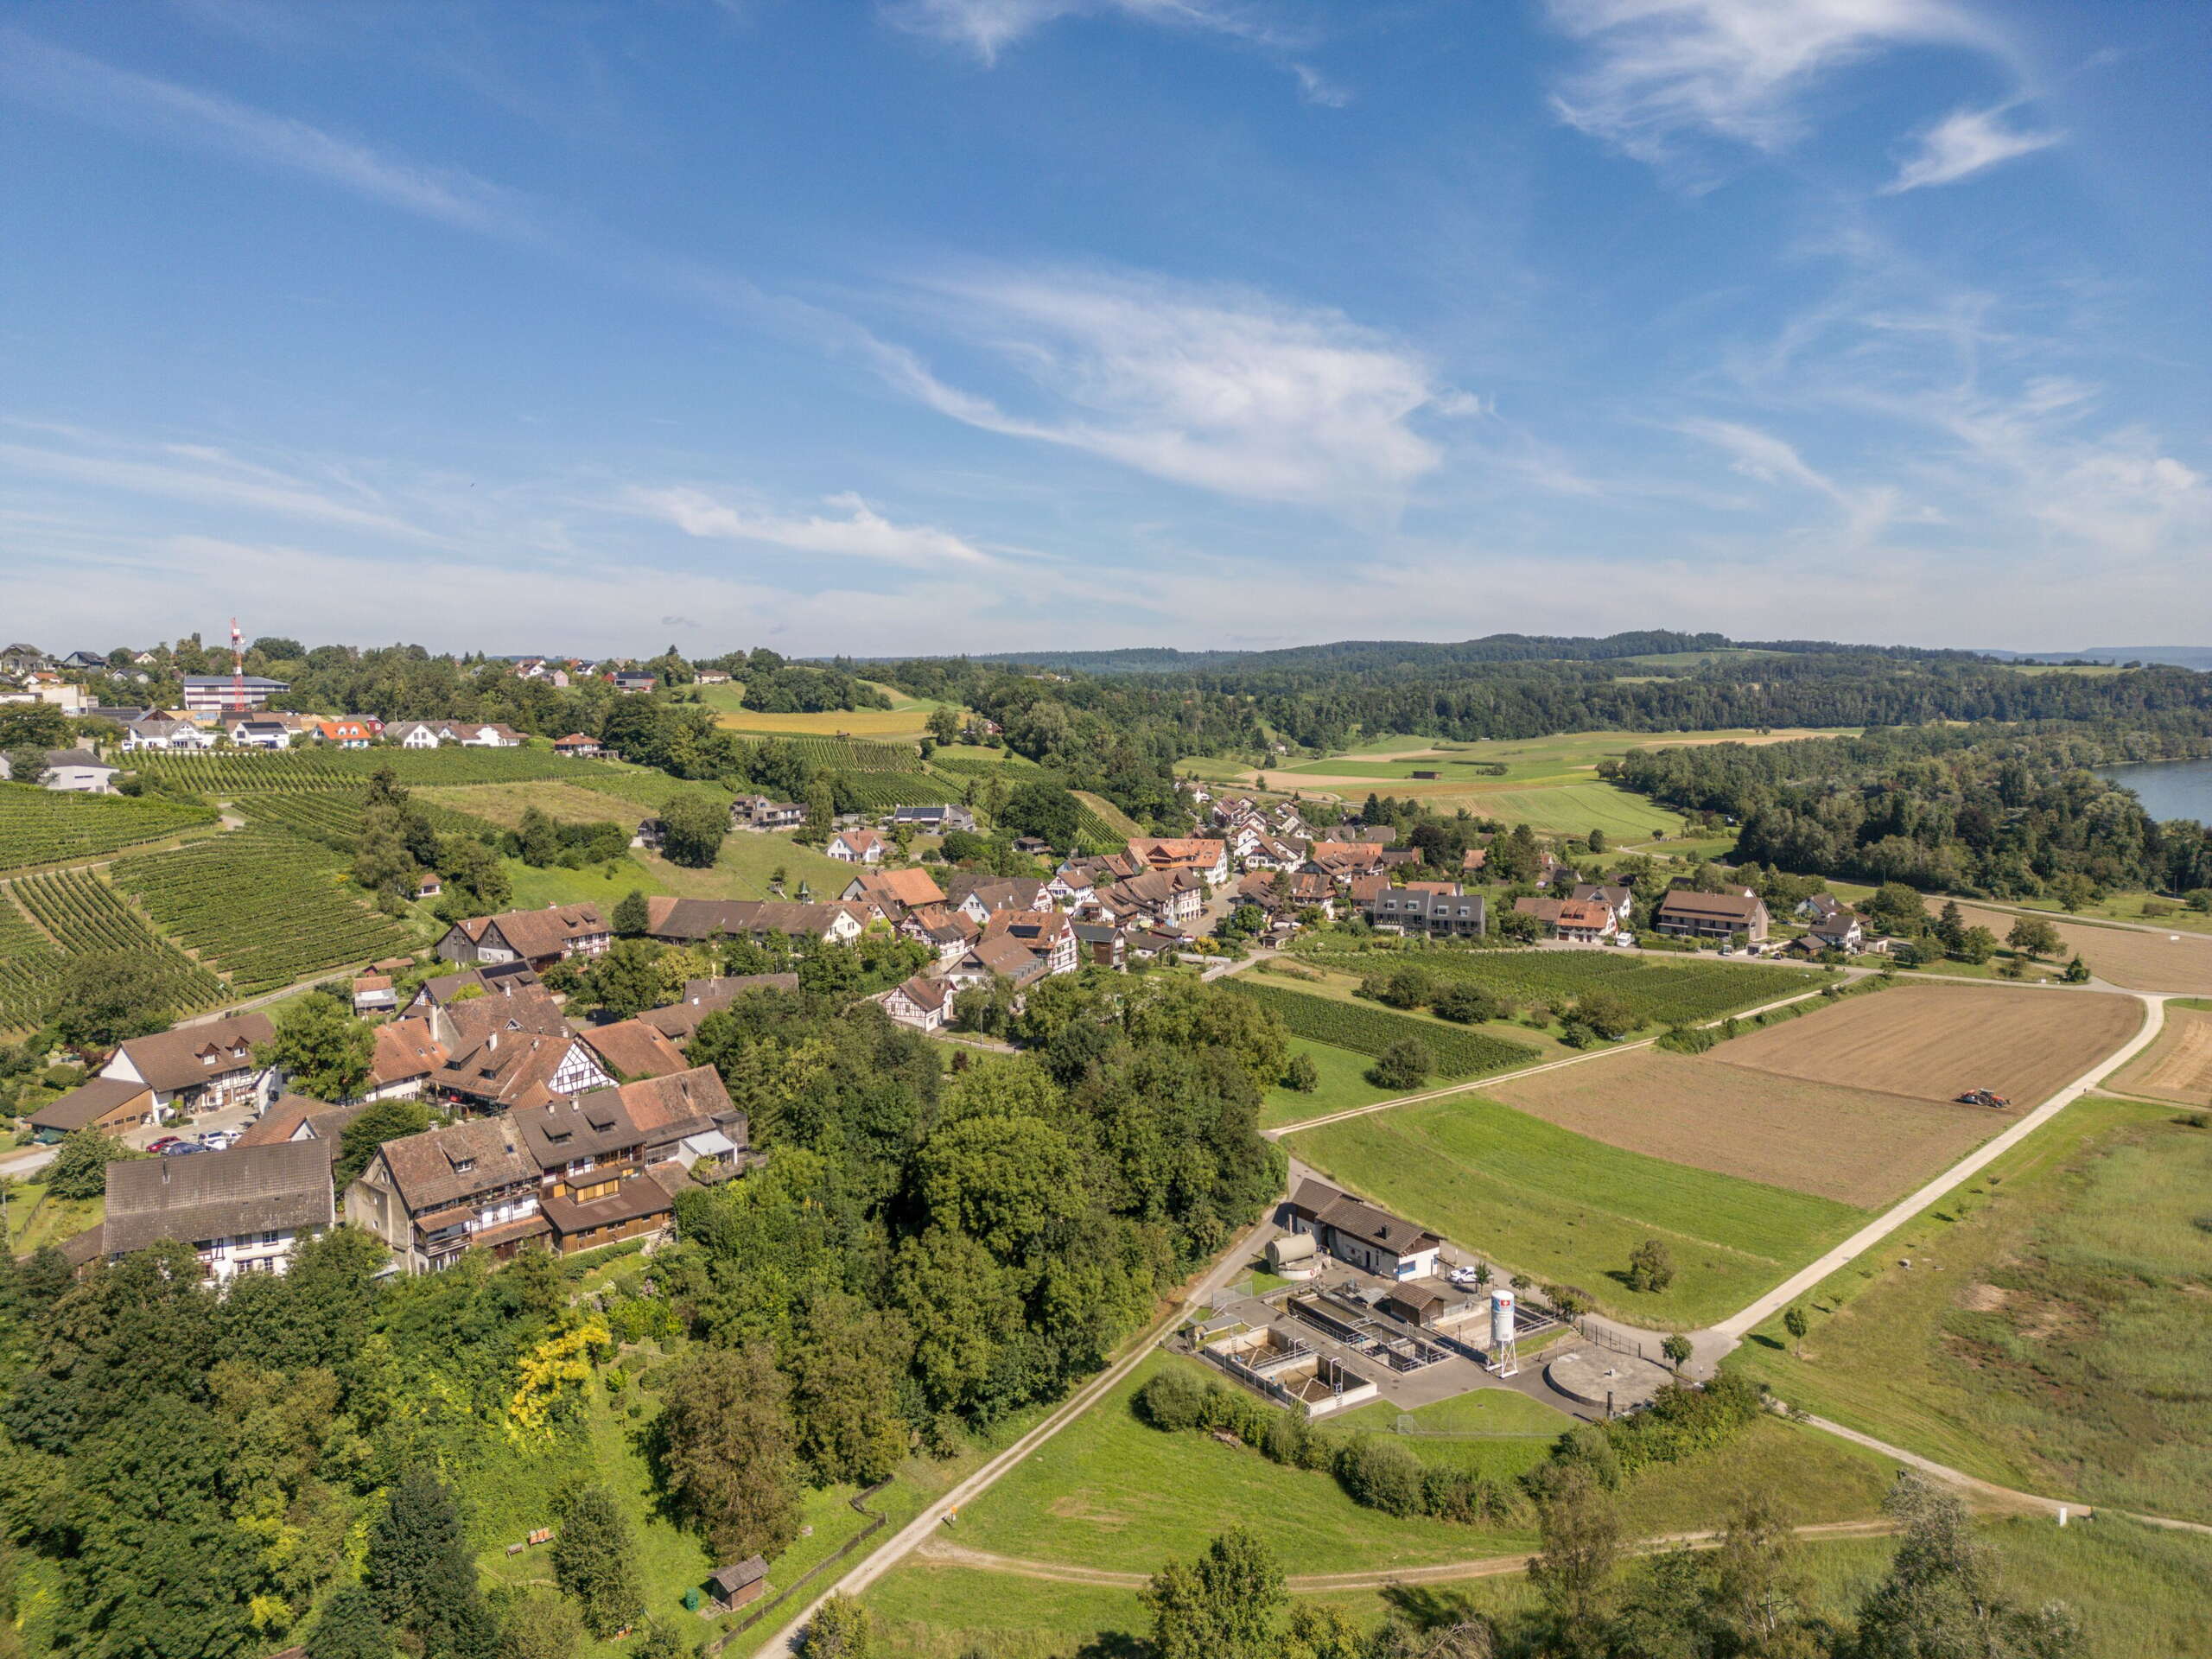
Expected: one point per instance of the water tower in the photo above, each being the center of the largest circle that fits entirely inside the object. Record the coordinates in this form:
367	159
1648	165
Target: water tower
1504	1350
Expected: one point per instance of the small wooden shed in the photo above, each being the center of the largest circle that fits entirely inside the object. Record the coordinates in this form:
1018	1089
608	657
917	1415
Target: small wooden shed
740	1582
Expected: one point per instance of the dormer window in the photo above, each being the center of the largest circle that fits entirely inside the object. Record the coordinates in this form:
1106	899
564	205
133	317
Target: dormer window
463	1166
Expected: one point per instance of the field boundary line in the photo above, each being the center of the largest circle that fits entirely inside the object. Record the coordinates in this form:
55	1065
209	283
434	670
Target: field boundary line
1735	1328
1532	1070
940	1552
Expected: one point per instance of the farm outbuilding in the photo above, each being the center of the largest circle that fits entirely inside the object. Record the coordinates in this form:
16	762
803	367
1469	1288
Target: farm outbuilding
740	1582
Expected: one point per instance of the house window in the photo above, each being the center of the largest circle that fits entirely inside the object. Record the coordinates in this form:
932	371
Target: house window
270	1238
463	1166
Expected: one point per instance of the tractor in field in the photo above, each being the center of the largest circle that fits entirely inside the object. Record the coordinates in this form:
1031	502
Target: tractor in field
1984	1097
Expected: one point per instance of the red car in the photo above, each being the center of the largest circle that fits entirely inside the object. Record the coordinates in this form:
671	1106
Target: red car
164	1143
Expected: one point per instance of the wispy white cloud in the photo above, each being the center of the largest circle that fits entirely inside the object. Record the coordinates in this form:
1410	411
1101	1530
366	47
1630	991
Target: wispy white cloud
861	533
1769	460
1660	69
84	87
1223	389
987	27
212	477
1964	143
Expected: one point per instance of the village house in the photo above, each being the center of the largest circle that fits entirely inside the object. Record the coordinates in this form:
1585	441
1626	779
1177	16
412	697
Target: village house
1360	1234
632	680
856	847
1686	913
413	734
433	1195
407	1055
577	746
259	734
924	1004
1579	921
1100	944
1616	896
1070	887
1434	908
346	734
243	1210
1046	933
1001	957
539	937
694	921
75	771
1840	930
488	979
935	820
296	1117
166	733
202	1068
894	891
630	1049
1176	898
1208	860
758	812
508	1053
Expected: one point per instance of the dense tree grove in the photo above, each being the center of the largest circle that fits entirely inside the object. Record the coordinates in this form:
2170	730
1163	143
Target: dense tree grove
2003	812
323	1456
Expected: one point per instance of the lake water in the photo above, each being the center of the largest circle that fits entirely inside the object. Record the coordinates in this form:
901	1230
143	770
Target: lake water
2169	789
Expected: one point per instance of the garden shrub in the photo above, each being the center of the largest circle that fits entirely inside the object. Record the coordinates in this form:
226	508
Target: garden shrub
1381	1474
1174	1400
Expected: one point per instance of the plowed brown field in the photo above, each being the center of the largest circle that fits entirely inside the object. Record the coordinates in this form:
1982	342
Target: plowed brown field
2179	1066
1935	1041
2141	960
1853	1145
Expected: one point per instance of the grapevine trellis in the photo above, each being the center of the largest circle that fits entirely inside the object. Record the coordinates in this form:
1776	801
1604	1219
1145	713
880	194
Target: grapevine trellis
46	826
83	916
265	906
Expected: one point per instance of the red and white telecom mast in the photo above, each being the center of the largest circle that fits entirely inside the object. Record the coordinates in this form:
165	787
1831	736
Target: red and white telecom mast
238	667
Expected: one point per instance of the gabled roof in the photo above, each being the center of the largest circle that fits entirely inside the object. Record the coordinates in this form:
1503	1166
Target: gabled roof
405	1049
423	1166
631	1048
244	1190
172	1059
1732	907
1355	1218
87	1103
296	1117
538	933
681	1104
913	887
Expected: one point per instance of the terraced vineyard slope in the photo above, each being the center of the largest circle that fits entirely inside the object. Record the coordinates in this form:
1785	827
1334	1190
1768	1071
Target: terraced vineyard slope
81	915
266	906
241	773
45	826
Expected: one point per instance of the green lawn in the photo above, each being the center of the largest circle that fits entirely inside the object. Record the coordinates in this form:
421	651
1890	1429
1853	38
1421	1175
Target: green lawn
1110	1491
2051	1332
2141	1593
1344	1085
1572	810
36	1218
1491	1412
1565	1209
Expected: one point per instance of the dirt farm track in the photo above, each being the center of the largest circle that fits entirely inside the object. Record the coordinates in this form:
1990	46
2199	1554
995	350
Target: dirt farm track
1935	1041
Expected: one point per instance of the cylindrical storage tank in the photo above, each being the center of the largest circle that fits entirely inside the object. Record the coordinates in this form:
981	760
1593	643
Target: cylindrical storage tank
1292	1255
1501	1317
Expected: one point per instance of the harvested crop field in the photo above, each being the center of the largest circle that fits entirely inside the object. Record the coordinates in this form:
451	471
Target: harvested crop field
1855	1146
503	803
1935	1041
2179	1066
2136	958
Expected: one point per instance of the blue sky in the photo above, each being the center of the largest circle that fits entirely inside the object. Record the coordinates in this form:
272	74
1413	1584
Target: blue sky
937	324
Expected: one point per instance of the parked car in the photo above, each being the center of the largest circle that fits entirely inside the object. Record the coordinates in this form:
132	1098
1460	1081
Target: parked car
220	1140
164	1143
178	1149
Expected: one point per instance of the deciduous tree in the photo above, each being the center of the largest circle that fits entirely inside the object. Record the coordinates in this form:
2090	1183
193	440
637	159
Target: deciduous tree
596	1559
324	1050
728	1464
